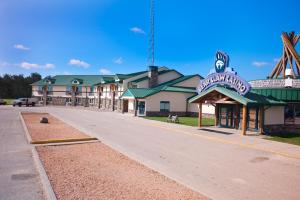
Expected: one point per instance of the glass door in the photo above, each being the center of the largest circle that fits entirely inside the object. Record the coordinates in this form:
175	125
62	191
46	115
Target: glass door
226	118
141	108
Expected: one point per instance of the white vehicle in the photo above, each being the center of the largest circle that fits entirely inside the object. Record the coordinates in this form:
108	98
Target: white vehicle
25	101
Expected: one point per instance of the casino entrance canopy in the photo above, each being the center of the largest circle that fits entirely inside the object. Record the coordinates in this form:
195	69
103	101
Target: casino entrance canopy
233	110
218	94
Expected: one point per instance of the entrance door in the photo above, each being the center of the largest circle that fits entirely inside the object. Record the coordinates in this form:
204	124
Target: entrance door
141	108
252	118
226	116
125	105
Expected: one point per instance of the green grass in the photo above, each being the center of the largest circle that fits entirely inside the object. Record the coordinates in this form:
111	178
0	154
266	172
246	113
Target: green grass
190	121
291	138
9	101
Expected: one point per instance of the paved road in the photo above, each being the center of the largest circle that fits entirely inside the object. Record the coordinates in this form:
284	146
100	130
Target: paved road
19	178
217	165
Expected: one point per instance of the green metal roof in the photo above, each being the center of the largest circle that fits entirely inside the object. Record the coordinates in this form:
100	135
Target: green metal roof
159	73
66	80
179	89
250	98
139	92
283	94
167	86
121	77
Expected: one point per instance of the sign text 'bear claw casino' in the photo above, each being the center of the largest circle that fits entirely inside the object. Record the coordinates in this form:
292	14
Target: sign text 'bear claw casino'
224	75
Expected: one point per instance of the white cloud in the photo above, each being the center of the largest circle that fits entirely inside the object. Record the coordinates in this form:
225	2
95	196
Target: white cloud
119	61
137	30
4	64
27	65
49	66
104	71
259	63
21	47
79	63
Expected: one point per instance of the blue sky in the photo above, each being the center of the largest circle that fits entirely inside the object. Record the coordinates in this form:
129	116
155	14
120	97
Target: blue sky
111	36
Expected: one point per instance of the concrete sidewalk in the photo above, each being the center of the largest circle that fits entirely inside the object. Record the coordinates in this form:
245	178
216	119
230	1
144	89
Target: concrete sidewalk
19	178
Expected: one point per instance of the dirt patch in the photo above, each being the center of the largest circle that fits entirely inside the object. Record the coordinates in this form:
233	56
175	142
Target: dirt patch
54	130
95	171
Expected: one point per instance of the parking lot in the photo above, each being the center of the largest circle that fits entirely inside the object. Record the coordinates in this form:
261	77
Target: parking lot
217	165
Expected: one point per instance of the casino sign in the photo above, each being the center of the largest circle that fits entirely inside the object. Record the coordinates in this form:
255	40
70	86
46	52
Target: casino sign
224	75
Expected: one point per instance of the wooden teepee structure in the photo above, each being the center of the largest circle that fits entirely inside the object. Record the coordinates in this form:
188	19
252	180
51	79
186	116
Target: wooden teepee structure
290	56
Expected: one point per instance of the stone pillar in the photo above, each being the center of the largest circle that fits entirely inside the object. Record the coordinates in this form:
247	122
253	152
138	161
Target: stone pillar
113	100
86	102
135	107
121	105
236	119
73	95
217	115
45	91
99	99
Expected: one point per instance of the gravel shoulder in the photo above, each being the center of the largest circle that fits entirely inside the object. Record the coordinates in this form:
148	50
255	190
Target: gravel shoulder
95	171
54	130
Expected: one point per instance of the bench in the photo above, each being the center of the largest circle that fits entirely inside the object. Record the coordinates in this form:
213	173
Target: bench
173	119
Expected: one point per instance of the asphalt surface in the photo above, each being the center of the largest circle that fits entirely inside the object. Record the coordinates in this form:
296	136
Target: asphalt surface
217	165
19	178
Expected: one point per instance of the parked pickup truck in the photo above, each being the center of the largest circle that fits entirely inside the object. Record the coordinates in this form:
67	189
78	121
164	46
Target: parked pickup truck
25	101
2	102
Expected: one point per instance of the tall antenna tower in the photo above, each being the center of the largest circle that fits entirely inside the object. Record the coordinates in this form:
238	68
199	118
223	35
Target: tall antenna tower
151	36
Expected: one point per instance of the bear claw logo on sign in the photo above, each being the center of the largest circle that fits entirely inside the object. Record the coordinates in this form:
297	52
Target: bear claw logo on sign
222	74
222	62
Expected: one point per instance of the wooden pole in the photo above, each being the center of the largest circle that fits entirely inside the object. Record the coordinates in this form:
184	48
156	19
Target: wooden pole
261	120
200	116
244	124
290	46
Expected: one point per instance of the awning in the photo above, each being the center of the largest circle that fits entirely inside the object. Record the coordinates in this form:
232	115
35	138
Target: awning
250	98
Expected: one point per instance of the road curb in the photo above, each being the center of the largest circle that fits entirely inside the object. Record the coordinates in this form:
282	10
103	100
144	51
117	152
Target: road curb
29	140
63	140
67	143
49	193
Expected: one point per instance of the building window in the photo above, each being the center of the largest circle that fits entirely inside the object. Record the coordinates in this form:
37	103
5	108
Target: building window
165	106
292	113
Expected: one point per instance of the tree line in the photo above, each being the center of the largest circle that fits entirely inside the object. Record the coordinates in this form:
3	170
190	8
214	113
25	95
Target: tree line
16	86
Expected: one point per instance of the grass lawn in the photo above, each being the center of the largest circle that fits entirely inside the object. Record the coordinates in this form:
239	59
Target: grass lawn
287	138
9	101
190	121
